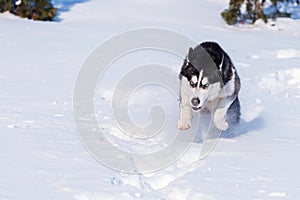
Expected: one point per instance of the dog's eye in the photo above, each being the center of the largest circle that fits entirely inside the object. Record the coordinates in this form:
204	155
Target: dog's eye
205	86
192	83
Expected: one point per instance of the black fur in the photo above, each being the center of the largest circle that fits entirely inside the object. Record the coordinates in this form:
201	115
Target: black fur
188	70
217	54
234	112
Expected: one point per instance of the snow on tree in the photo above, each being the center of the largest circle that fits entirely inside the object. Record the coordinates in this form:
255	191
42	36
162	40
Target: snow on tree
31	9
248	11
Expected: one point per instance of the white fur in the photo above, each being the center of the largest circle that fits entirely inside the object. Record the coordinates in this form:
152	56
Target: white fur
229	88
194	79
185	108
221	64
204	80
220	113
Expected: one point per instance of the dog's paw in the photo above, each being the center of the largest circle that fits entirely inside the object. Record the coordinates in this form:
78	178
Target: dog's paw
221	125
219	119
184	124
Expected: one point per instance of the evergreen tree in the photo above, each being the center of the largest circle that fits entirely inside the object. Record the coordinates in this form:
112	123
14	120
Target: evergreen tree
255	9
31	9
5	5
232	15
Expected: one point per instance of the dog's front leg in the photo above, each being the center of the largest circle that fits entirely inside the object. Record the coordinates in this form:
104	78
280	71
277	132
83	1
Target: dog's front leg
185	113
220	113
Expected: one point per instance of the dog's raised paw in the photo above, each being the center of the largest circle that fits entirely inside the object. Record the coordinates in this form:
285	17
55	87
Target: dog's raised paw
183	124
221	125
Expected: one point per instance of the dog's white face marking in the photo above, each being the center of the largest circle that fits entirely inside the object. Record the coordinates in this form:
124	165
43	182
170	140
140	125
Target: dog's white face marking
200	75
204	81
194	79
200	88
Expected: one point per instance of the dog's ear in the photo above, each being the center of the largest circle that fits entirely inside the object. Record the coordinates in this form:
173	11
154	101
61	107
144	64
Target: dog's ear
191	54
185	63
183	68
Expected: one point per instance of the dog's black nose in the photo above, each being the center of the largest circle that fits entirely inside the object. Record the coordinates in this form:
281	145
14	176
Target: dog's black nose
195	101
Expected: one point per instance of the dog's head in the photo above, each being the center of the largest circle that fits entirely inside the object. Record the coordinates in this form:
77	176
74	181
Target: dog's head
200	78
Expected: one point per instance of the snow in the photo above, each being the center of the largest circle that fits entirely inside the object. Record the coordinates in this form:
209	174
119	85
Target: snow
41	153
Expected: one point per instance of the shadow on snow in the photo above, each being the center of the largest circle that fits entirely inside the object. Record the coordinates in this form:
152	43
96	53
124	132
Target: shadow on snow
234	130
243	127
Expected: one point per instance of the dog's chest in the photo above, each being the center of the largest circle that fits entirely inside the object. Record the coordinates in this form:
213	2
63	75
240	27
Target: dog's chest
211	105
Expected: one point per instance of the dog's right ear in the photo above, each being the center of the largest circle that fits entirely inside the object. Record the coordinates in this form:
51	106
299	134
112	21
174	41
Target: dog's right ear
185	63
189	57
183	67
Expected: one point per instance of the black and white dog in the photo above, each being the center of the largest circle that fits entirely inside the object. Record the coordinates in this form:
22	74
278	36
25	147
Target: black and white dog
209	82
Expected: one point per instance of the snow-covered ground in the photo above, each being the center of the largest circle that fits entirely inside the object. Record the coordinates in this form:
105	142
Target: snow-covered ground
41	155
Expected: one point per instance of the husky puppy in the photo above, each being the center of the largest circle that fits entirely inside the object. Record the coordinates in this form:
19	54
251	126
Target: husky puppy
209	82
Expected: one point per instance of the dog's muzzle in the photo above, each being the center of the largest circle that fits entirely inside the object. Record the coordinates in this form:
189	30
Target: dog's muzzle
196	108
195	102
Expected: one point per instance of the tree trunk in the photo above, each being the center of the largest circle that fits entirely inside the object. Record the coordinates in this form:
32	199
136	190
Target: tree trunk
256	10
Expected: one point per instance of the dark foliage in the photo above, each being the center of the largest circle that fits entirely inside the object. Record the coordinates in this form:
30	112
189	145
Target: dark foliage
31	9
257	9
